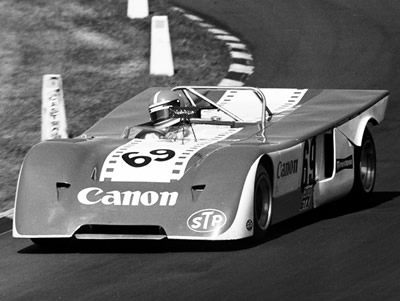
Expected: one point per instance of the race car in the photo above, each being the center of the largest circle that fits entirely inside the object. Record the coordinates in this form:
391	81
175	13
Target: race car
211	163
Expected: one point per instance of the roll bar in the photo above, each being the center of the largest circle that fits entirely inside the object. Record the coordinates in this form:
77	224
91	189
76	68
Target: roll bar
187	90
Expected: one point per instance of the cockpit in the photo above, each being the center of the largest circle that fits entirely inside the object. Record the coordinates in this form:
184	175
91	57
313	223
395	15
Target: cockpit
182	108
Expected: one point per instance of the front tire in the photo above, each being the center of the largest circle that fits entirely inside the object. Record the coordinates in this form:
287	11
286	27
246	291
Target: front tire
262	203
365	167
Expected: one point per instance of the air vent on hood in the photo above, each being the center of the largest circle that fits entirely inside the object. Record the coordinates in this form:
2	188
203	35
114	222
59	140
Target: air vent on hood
63	185
61	189
196	191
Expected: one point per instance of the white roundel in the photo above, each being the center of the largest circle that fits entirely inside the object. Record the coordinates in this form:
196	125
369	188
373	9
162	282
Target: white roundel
206	220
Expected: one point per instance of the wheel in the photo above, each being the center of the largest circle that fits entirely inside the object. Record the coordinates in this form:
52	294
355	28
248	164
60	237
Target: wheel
365	167
262	202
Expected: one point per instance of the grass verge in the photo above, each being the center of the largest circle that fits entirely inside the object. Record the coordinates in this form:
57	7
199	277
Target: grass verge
103	58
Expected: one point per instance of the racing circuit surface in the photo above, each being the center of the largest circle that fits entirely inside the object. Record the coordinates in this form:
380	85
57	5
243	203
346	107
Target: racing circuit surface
334	253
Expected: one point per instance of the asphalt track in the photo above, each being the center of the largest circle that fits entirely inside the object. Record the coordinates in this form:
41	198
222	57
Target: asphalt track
335	253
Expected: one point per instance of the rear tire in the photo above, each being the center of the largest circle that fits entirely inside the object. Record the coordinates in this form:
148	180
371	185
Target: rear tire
365	168
262	203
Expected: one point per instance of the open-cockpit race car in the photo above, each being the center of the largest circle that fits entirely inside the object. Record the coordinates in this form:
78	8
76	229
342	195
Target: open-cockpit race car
213	163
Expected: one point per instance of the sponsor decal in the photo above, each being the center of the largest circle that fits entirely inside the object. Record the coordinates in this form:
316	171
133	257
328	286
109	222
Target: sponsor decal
346	163
307	198
95	195
184	113
287	168
249	225
206	220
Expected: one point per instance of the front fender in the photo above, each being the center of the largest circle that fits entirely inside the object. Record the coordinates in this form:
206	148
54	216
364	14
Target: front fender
47	169
243	224
227	180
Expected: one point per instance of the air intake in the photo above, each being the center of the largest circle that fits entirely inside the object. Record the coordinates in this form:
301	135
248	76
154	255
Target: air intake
120	232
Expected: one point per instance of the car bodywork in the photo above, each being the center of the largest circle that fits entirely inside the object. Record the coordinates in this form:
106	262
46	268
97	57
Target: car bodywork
111	183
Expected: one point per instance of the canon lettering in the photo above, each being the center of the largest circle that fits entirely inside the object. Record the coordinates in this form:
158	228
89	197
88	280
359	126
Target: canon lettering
95	195
287	168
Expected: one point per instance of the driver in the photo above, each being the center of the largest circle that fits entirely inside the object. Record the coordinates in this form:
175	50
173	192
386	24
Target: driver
159	106
160	115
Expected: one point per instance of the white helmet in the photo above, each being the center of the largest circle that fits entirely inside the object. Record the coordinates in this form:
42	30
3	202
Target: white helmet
160	104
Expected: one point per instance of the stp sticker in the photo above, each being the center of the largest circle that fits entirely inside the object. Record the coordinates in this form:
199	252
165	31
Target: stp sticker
206	220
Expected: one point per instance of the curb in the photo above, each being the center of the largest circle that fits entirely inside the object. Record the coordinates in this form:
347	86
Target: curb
242	61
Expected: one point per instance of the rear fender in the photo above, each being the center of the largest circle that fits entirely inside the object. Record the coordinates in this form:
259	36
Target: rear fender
355	127
340	181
